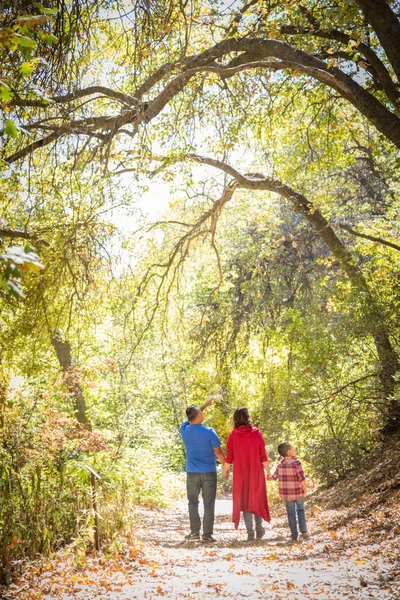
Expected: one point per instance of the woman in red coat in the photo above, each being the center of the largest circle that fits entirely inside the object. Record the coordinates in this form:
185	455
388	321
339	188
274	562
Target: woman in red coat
246	450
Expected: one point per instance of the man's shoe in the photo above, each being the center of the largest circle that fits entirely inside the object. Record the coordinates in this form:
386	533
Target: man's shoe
305	535
192	536
260	533
293	542
208	539
250	537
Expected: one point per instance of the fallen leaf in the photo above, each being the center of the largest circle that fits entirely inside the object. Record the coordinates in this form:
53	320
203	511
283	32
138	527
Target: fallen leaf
275	587
228	556
290	585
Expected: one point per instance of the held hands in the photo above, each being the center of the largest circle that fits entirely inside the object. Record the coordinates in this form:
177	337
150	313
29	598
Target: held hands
225	472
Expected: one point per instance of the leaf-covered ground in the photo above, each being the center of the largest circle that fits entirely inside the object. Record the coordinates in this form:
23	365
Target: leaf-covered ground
352	554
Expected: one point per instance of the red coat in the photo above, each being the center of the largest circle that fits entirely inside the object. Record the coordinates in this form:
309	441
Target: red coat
246	450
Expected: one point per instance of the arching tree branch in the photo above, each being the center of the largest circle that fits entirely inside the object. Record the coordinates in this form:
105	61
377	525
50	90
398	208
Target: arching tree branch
250	54
76	95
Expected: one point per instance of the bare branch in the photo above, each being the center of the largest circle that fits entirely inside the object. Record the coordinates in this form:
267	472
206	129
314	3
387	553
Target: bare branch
75	95
25	235
372	238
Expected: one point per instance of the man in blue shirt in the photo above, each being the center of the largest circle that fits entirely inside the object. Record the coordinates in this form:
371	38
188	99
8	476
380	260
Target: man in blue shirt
202	446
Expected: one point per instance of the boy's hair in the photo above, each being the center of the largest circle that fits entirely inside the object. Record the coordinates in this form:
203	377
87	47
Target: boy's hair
192	412
284	448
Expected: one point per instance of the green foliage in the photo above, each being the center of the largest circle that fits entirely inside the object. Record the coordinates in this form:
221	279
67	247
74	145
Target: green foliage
45	483
15	261
249	307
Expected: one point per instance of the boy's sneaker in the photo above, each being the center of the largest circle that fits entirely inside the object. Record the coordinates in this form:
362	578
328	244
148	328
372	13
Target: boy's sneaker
192	536
293	542
260	533
208	539
250	537
305	535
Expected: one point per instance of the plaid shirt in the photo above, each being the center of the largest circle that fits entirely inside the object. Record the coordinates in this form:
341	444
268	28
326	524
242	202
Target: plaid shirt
290	474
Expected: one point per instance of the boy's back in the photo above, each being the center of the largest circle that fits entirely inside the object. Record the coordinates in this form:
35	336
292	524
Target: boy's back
290	474
292	489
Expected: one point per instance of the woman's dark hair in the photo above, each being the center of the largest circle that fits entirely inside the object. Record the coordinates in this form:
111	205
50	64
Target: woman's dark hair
241	417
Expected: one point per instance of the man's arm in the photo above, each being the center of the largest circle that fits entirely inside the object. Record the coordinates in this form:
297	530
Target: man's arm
220	455
206	404
225	470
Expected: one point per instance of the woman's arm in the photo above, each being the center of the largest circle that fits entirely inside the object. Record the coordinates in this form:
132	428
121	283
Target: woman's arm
267	468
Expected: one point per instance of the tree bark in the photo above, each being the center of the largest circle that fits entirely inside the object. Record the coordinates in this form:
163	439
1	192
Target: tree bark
386	26
64	355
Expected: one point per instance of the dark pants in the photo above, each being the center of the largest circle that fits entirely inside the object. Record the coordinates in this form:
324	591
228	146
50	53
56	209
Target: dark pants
207	483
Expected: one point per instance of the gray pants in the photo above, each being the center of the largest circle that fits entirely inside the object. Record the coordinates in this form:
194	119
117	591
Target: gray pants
248	521
207	484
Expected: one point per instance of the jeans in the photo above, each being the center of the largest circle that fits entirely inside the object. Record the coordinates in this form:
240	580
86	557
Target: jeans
293	507
248	521
207	483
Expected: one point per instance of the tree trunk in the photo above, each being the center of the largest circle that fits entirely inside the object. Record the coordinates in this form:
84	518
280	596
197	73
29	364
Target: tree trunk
389	362
64	355
386	26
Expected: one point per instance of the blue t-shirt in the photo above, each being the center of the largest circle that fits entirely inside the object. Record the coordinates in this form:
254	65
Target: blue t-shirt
200	442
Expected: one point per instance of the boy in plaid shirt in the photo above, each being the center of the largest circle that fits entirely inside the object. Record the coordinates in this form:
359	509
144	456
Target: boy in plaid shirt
292	489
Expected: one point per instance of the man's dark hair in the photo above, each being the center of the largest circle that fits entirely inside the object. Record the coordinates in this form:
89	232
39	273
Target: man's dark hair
284	448
192	411
241	417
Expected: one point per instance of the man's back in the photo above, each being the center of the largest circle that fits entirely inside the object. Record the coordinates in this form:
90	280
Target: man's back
200	442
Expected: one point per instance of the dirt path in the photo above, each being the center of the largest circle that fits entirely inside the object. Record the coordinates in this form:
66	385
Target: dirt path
336	563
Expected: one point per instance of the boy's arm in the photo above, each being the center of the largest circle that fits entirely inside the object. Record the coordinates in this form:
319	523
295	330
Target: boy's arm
302	477
274	476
